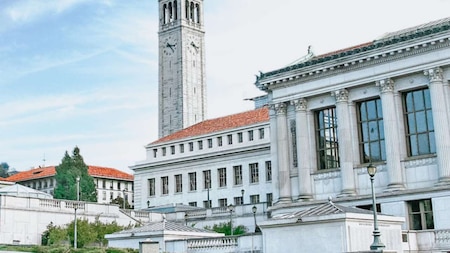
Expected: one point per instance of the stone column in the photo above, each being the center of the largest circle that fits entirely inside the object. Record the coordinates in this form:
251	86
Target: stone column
284	179
440	120
303	150
274	153
391	135
345	143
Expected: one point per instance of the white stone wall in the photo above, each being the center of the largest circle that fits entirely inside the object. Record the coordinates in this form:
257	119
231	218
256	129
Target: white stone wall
23	220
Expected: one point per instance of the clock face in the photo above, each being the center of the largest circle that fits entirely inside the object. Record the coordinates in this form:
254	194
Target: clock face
169	45
193	45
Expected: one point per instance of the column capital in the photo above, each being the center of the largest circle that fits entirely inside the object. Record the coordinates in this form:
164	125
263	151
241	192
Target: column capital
279	108
300	104
434	74
340	95
386	85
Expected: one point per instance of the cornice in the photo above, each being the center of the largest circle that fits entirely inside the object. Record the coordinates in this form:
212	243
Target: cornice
345	61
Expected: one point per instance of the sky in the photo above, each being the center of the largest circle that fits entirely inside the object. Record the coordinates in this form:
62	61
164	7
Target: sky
85	72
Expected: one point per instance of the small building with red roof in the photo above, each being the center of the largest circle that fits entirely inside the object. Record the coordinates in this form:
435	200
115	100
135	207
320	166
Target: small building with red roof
110	182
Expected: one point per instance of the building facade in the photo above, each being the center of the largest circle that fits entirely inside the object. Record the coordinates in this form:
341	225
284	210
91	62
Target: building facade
214	163
386	103
182	87
110	183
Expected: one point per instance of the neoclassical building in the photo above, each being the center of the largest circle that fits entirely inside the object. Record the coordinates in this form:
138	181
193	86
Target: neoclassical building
214	163
386	103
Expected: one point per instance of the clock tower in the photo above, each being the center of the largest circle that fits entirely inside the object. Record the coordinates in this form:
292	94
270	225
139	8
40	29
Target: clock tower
182	87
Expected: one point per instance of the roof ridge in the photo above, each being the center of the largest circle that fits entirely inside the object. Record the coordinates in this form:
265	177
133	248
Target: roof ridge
241	119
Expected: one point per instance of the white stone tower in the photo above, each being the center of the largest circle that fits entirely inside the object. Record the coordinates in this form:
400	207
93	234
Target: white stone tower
182	87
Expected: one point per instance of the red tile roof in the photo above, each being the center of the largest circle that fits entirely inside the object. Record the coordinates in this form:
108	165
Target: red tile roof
50	171
5	179
220	124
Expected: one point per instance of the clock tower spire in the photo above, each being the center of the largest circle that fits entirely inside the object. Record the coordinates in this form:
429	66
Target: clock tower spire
182	86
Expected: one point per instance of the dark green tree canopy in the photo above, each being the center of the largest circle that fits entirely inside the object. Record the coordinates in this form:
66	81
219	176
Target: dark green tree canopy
4	167
67	172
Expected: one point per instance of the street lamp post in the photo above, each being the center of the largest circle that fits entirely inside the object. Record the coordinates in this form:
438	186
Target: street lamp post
377	244
254	219
242	194
231	209
75	222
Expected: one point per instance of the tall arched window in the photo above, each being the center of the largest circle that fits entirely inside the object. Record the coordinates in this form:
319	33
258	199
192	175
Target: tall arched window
164	11
197	12
170	12
187	9
192	7
175	10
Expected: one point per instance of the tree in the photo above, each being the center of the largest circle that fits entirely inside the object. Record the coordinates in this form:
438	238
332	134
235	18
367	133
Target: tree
87	232
67	172
119	201
4	167
225	227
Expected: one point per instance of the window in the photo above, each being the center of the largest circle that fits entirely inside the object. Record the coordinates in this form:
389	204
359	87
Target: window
268	171
222	202
111	195
164	151
238	201
51	183
172	150
254	199
371	143
104	195
250	135
240	139
219	141
165	185
419	123
230	139
207	179
178	183
237	175
420	214
191	146
269	199
181	148
200	145
254	173
209	143
327	142
155	152
192	181
192	203
118	185
207	203
222	177
111	185
261	133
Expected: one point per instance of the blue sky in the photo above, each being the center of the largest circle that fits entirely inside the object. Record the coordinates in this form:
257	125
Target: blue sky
85	72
